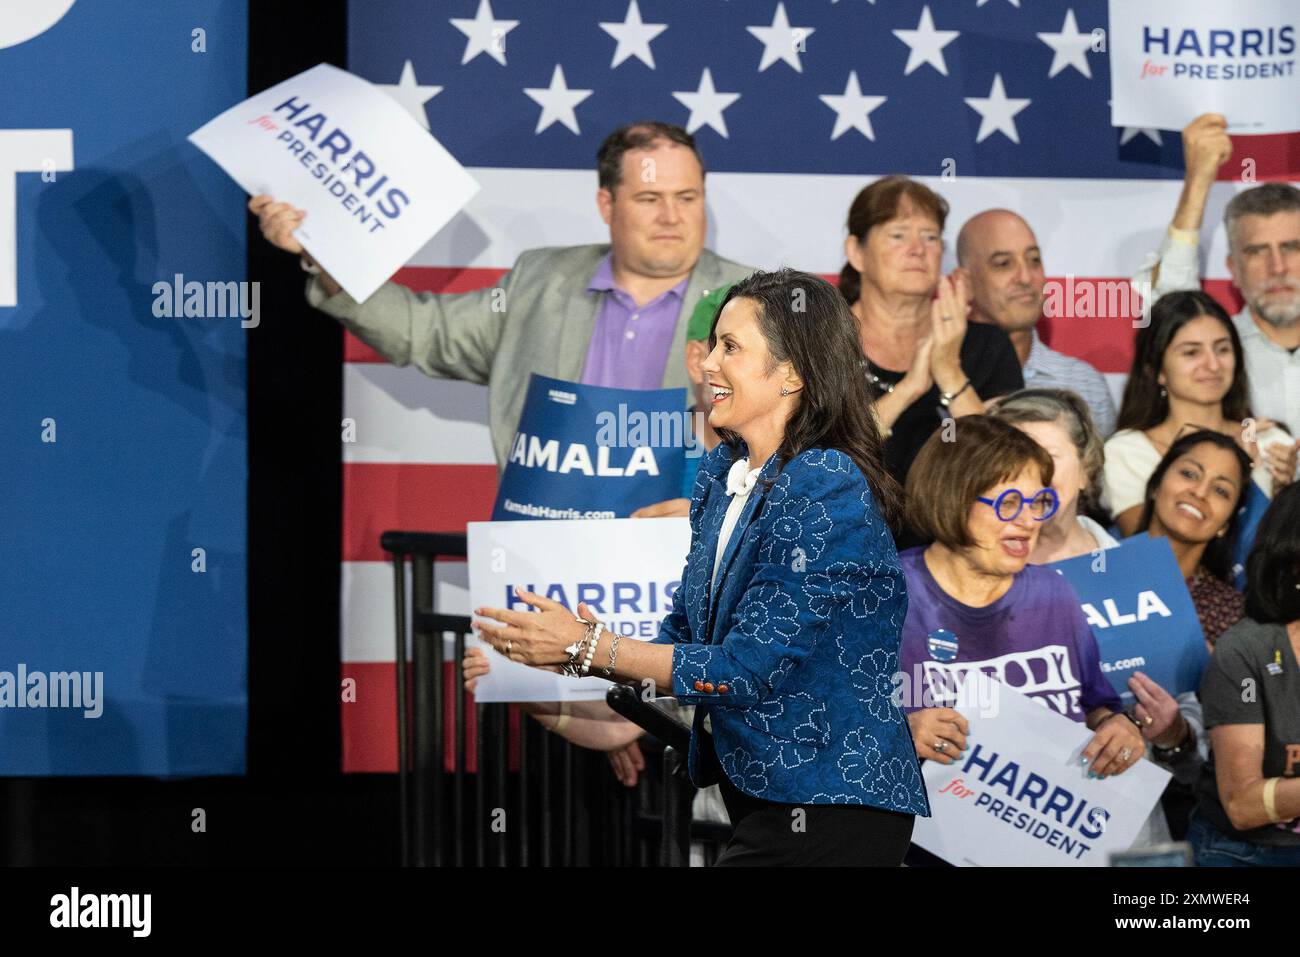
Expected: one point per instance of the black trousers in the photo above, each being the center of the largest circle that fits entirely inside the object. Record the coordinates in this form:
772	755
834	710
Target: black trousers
772	834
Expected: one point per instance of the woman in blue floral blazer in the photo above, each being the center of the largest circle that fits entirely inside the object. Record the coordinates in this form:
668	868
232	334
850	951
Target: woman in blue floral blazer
785	629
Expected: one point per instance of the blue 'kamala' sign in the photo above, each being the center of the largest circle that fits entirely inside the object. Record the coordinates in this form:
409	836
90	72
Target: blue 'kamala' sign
585	451
1137	603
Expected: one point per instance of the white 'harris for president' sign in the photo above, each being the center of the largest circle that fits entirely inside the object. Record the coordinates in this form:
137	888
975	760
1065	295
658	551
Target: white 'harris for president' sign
375	185
1171	60
1020	796
625	569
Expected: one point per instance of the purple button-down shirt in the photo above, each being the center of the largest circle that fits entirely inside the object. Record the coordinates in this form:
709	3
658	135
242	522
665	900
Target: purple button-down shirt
630	343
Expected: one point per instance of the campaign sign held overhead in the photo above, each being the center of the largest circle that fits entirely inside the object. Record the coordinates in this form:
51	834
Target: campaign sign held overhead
585	451
1171	60
1136	601
375	185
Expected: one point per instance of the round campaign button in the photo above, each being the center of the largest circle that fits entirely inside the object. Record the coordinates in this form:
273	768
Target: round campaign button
942	645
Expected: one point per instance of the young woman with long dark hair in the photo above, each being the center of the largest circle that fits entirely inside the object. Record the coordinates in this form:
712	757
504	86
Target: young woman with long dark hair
1188	374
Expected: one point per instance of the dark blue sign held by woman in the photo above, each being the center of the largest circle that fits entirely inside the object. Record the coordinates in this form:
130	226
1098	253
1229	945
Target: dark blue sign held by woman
1136	601
586	451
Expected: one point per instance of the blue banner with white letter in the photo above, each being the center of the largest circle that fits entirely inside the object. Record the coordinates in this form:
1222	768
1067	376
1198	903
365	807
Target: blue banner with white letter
586	451
1137	603
124	634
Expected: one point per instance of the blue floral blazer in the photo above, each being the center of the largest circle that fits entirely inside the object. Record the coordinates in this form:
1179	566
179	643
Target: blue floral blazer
794	653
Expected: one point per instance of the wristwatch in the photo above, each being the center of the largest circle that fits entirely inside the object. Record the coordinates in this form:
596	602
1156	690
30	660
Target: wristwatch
945	398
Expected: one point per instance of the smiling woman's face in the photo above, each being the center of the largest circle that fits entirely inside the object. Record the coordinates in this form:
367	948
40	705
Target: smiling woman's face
1002	548
1197	494
744	383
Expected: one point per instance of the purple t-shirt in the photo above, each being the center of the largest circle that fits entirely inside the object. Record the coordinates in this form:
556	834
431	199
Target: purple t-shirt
1034	639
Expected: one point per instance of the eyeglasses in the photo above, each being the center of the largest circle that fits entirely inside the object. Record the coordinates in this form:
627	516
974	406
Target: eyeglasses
1011	503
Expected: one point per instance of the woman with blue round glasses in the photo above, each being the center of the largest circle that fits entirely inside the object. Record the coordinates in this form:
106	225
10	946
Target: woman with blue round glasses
975	604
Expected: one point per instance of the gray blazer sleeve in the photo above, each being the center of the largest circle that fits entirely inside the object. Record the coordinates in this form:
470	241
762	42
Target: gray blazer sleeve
448	335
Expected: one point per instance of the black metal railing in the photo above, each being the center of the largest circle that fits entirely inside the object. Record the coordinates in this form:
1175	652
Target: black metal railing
678	792
518	795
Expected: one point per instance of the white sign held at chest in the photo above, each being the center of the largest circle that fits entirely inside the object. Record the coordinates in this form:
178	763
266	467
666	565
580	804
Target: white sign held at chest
625	569
1020	797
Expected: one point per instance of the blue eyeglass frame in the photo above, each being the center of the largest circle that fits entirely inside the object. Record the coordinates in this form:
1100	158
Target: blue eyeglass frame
997	503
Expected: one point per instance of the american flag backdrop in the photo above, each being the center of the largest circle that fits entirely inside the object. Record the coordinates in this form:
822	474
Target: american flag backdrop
795	105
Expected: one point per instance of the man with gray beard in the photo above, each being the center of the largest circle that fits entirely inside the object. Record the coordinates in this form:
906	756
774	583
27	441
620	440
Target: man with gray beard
1263	232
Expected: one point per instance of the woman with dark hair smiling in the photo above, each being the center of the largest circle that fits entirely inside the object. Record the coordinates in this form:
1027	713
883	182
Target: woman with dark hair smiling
1248	796
1188	374
1194	497
784	632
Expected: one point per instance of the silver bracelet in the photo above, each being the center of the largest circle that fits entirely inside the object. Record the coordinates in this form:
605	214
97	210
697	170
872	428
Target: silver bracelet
575	650
613	652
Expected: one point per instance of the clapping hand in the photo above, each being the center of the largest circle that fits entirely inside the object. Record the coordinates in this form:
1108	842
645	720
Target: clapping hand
948	330
1280	460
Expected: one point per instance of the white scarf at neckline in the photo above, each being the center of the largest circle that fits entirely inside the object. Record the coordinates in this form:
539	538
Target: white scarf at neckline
741	479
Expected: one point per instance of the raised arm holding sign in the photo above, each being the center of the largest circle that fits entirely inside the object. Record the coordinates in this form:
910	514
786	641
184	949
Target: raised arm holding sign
610	314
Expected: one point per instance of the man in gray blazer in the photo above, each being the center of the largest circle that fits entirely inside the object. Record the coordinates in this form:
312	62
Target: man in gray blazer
611	314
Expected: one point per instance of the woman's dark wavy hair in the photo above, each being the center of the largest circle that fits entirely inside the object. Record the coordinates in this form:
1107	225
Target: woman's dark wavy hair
806	322
1217	559
1143	407
1273	568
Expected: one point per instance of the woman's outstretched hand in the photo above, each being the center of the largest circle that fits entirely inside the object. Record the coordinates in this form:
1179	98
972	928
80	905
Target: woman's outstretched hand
536	638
